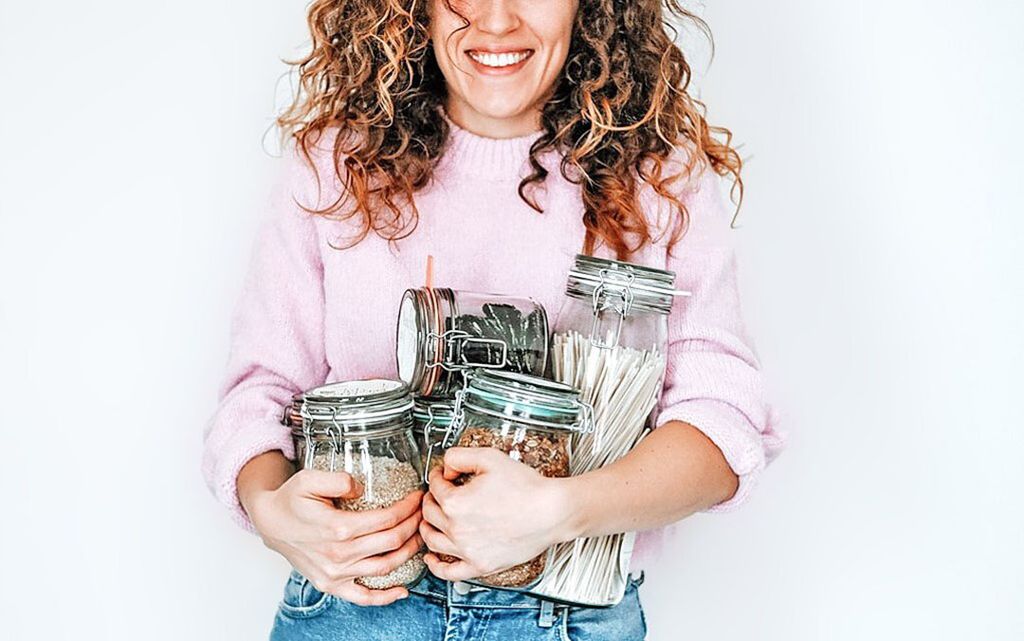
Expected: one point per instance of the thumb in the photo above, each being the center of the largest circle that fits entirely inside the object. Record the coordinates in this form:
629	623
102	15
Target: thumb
472	460
340	485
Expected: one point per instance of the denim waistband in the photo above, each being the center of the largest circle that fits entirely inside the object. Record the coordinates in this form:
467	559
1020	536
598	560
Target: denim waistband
480	597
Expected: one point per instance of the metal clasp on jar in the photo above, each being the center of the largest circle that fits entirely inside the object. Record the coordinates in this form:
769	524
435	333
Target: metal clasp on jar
428	428
603	299
453	344
335	443
587	424
451	433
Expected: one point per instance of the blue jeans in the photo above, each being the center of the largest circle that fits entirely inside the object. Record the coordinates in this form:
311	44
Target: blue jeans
436	611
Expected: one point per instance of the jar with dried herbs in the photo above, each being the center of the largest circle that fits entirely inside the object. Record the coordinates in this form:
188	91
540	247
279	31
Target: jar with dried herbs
442	333
364	428
529	418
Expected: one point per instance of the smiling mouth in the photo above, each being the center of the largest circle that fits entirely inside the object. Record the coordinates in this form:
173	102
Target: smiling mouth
499	60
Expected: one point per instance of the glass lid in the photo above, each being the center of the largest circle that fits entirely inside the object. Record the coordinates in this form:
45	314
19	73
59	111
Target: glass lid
367	400
645	288
511	394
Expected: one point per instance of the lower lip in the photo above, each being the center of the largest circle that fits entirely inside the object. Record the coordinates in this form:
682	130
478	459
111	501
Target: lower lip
499	71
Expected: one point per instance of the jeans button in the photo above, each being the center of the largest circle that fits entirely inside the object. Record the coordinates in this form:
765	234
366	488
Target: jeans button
462	587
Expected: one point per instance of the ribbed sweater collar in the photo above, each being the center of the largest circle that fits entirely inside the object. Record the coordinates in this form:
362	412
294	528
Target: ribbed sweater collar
470	154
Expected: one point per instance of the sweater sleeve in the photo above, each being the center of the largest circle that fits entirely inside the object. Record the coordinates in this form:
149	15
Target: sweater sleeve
713	378
276	340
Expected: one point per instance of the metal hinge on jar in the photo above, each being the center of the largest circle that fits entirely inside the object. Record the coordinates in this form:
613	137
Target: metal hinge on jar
454	342
604	294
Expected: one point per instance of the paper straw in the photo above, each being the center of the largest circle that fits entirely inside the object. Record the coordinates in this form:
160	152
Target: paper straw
622	385
429	280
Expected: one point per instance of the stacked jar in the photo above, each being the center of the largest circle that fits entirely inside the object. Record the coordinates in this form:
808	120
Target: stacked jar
364	428
442	333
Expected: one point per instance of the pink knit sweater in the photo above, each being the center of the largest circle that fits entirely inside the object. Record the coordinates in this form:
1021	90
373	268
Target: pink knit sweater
310	314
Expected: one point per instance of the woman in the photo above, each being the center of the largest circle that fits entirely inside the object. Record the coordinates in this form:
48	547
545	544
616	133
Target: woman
501	137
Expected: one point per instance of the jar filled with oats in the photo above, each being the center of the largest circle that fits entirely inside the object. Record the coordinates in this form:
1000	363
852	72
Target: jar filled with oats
529	418
364	428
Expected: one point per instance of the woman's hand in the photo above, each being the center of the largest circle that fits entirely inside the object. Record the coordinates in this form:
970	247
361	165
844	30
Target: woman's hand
507	514
330	546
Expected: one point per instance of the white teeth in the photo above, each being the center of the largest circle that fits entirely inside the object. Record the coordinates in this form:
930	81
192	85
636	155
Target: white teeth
498	59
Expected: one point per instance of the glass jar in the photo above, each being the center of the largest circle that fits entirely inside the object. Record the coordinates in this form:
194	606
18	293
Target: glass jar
529	418
443	332
610	343
365	428
617	304
432	418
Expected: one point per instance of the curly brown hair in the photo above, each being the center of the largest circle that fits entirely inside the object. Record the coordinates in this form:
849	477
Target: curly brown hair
618	111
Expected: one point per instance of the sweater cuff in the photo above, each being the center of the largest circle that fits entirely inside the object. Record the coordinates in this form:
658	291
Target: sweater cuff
261	436
729	429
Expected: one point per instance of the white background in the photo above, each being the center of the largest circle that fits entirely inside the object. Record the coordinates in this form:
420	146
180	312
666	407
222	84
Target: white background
880	261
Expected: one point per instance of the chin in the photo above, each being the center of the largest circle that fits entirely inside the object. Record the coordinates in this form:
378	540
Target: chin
501	110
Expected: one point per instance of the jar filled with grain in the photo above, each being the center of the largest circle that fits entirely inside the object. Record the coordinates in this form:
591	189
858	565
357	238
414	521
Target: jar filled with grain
529	418
432	417
364	428
442	333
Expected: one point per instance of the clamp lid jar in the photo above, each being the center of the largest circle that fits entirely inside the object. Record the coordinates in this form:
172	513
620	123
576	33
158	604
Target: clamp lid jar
607	295
611	342
529	418
365	428
444	332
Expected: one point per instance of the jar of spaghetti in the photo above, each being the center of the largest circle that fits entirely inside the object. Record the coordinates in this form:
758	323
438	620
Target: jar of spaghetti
364	428
443	332
610	343
432	418
529	418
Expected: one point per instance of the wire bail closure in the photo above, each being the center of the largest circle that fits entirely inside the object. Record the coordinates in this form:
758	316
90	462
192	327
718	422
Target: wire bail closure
453	344
431	443
603	300
452	432
588	424
334	432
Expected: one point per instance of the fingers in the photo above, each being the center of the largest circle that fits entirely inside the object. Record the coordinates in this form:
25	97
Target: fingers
440	487
455	571
385	541
360	595
437	541
450	473
471	460
345	525
466	460
339	485
386	563
433	513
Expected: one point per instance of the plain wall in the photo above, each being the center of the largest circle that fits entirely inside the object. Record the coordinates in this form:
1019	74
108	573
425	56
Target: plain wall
880	260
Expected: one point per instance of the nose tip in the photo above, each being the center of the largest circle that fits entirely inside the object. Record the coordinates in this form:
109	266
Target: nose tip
496	17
